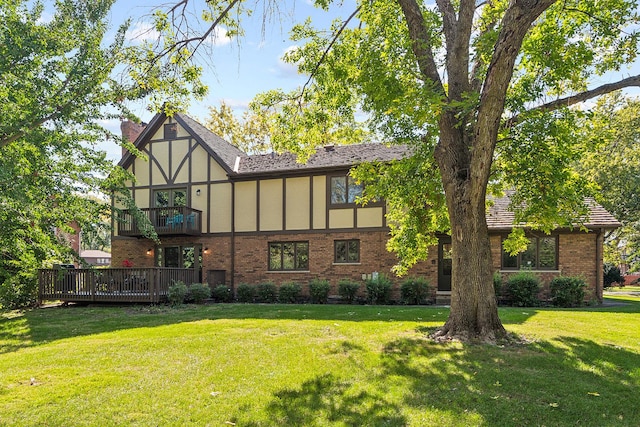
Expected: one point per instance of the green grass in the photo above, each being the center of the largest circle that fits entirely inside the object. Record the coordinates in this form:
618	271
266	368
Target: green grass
306	365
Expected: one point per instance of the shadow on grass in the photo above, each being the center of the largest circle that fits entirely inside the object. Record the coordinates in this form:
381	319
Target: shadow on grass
565	382
329	400
38	326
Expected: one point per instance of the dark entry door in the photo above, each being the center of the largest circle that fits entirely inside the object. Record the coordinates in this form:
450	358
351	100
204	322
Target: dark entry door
444	264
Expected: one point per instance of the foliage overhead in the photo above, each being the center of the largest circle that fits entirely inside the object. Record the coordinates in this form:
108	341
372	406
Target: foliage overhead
62	75
612	138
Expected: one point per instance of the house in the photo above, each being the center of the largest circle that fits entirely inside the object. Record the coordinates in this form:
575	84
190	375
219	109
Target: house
236	218
96	257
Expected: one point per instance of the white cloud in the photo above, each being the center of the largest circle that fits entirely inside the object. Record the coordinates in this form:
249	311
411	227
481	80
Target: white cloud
285	69
142	31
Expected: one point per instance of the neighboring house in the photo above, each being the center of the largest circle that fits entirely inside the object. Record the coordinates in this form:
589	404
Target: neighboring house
96	258
238	218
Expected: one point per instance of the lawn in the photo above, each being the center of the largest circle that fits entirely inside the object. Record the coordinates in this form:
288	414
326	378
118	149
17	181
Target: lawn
312	365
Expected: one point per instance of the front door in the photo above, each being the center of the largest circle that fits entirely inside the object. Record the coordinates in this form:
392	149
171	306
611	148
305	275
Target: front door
444	264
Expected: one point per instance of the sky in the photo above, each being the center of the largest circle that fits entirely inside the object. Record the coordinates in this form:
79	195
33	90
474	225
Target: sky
239	69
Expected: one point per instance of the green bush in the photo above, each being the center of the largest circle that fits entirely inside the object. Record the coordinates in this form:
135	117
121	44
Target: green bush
18	292
199	292
612	274
177	293
567	291
414	291
222	293
378	290
348	290
497	284
289	293
245	293
267	293
522	289
319	291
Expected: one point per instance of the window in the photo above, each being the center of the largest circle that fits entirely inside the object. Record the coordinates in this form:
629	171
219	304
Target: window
170	197
171	131
541	254
346	251
179	256
344	189
285	256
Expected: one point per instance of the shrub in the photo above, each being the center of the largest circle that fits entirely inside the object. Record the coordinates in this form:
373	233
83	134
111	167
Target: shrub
199	292
222	293
245	293
177	293
18	292
378	290
612	275
522	289
567	291
289	293
414	290
319	291
267	292
348	290
497	284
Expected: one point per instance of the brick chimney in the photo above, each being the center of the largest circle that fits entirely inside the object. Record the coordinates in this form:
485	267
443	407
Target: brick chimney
130	131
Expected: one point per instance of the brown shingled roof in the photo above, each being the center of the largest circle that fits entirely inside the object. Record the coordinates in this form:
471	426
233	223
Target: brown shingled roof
326	157
223	150
500	217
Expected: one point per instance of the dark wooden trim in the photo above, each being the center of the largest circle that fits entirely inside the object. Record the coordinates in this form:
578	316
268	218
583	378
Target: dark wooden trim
258	205
284	203
313	231
311	203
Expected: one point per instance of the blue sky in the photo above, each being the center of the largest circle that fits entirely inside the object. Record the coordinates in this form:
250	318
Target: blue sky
239	69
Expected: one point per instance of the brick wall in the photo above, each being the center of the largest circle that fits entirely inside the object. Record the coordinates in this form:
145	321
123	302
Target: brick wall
252	260
577	257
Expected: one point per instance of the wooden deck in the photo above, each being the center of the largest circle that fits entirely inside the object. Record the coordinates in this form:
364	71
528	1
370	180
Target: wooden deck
111	284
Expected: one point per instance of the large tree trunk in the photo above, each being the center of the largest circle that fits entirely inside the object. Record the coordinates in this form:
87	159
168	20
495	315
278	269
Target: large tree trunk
474	312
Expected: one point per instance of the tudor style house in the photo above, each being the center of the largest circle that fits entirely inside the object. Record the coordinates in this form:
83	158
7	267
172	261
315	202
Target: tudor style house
236	218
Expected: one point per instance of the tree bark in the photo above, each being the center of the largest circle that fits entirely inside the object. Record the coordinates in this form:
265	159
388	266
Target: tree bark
474	311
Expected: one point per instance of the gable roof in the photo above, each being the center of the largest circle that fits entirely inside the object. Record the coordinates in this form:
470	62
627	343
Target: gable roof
500	217
221	150
224	152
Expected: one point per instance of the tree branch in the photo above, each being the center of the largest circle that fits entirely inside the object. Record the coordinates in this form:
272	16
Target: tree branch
577	98
328	49
421	42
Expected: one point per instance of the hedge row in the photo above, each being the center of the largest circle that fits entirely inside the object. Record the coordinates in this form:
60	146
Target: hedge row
376	291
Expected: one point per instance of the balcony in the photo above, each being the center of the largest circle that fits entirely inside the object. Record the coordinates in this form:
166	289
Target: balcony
177	221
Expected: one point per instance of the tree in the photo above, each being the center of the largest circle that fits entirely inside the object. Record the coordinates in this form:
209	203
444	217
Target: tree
249	134
59	78
480	90
612	132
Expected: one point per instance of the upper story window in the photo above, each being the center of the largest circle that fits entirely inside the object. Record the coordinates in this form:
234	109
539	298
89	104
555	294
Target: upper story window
541	254
344	190
170	197
171	131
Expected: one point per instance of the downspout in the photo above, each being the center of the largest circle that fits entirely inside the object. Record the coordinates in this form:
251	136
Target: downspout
233	235
599	267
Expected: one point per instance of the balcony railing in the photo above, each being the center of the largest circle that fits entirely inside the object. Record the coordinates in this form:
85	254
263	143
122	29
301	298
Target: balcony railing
179	220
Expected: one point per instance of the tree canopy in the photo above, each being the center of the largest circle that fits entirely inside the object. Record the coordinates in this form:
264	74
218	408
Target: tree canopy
612	134
62	75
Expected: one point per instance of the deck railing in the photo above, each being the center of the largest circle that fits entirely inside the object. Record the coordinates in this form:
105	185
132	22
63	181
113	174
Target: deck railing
111	284
180	220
